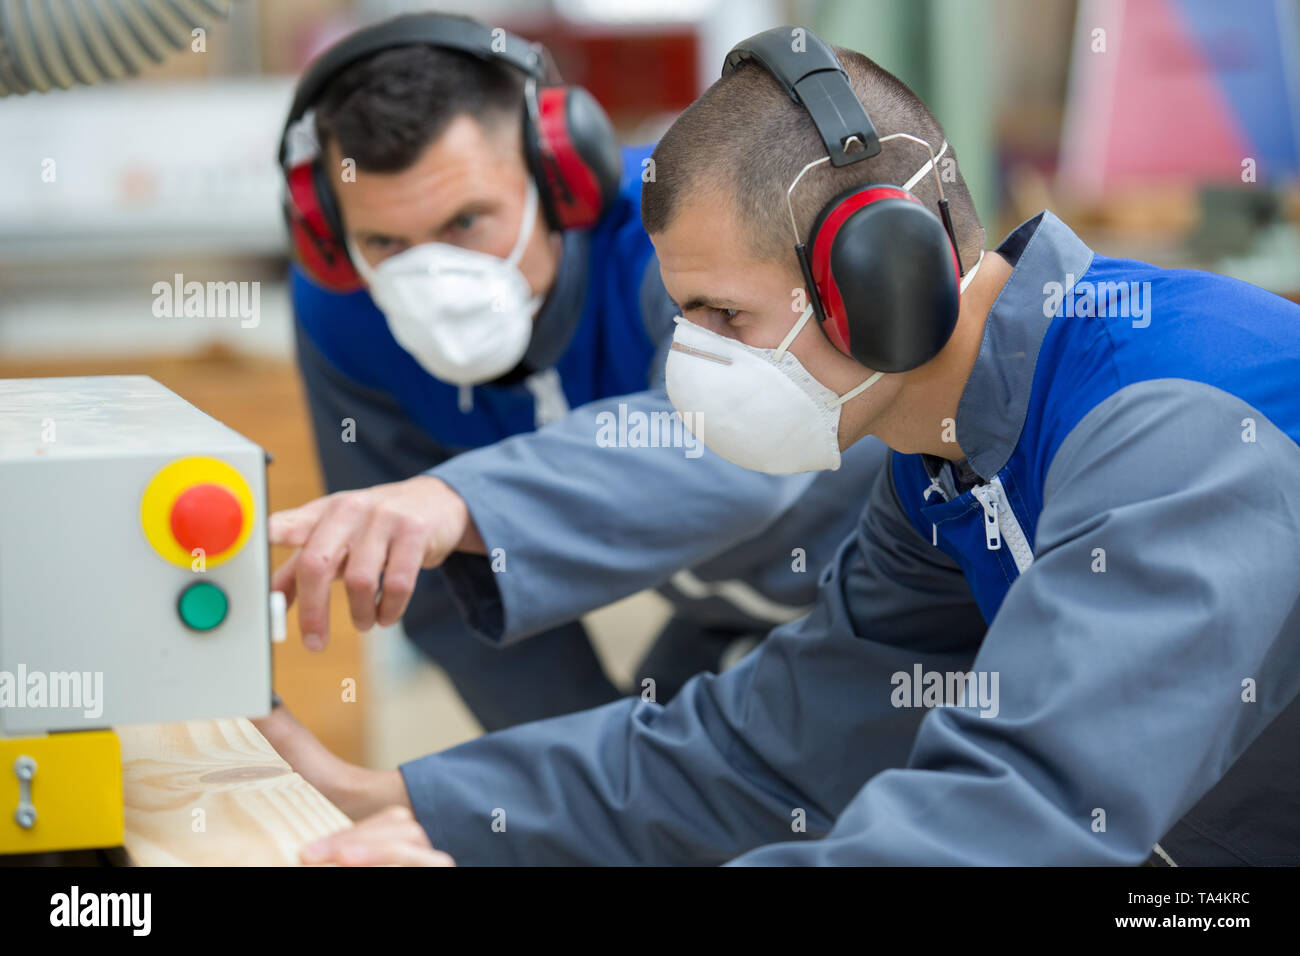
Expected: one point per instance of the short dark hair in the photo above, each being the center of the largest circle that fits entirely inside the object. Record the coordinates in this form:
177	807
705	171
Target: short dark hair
746	140
385	110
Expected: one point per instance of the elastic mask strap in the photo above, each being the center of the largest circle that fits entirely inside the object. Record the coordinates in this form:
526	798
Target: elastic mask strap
965	280
854	392
790	336
525	227
925	170
876	377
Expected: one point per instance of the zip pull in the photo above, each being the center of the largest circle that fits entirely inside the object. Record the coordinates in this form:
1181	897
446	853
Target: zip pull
988	497
925	496
549	402
465	399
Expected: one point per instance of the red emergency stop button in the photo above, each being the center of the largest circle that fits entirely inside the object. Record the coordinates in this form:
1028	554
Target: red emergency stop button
207	516
197	512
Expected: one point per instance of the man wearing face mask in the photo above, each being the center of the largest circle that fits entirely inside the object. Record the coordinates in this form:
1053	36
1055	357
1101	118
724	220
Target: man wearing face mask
1065	628
479	307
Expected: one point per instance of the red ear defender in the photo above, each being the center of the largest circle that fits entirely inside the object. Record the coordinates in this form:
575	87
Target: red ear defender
886	277
882	270
316	247
573	154
571	185
569	142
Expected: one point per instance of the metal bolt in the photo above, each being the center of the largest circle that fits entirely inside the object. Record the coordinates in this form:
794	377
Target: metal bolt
24	770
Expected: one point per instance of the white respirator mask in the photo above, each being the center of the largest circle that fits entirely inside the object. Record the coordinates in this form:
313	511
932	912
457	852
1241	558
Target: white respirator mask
760	408
465	316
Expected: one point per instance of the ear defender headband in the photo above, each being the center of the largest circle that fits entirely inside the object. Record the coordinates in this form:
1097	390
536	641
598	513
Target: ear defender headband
881	269
569	143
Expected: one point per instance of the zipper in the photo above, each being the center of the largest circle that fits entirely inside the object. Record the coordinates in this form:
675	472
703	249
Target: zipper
988	496
925	496
1001	524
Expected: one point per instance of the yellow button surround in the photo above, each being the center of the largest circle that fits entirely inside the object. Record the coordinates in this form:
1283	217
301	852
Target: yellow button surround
168	484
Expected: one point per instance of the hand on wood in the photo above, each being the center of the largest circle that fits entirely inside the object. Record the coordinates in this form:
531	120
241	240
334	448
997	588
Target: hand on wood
391	837
357	791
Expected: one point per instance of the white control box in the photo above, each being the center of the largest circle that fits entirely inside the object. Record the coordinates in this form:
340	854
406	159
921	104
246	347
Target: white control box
134	566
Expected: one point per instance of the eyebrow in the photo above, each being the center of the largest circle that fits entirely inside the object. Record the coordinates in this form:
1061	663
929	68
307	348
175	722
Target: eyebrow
474	206
364	235
708	302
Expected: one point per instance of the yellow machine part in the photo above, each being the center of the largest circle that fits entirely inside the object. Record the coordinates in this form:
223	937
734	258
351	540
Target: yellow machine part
76	791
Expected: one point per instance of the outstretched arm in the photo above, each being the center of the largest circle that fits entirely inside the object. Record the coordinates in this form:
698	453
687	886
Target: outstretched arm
774	747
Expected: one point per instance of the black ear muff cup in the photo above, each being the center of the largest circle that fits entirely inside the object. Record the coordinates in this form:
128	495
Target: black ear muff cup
895	282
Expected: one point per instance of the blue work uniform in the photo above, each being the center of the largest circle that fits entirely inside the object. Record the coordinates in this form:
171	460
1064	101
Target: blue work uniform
578	513
1115	559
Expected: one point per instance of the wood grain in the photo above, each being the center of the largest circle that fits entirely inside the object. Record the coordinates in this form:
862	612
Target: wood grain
256	810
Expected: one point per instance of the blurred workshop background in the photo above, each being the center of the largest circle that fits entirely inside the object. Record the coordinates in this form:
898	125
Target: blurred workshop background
1165	130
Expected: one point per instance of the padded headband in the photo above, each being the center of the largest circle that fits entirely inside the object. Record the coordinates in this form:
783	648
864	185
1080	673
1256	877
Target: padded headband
452	33
813	77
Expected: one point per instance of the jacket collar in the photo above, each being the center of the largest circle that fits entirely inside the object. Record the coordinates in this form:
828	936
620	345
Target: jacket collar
991	413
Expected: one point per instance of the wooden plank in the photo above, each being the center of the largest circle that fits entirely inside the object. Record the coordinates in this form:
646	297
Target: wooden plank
255	810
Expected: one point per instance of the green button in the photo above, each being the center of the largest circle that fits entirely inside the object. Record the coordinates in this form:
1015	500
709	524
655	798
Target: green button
203	606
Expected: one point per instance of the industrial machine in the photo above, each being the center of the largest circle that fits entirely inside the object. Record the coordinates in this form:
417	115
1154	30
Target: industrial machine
134	588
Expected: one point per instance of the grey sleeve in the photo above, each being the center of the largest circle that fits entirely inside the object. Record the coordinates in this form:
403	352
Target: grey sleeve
582	520
1127	689
774	747
582	523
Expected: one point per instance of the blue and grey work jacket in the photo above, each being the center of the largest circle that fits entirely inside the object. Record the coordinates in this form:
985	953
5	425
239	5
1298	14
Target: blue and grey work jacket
1079	642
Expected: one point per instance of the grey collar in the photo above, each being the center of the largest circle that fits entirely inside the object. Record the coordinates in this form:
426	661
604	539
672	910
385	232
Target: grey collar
558	318
993	405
